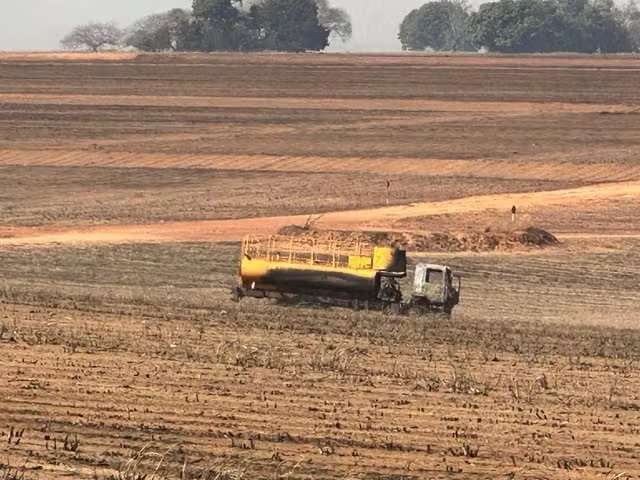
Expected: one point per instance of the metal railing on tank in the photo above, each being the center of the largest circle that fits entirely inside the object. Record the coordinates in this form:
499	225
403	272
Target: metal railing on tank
322	251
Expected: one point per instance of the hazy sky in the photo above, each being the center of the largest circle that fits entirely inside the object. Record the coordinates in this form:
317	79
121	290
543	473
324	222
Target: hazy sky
40	24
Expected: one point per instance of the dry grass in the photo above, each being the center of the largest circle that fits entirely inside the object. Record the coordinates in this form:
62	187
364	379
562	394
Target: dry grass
130	362
31	196
377	392
312	107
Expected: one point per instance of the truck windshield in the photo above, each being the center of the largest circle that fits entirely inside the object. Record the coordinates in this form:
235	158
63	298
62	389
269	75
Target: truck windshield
435	285
435	276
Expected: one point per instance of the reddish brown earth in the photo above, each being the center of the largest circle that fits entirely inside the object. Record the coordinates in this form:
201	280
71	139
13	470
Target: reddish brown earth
380	218
126	182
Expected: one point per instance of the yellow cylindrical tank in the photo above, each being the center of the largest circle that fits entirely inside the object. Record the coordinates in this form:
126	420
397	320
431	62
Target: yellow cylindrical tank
286	264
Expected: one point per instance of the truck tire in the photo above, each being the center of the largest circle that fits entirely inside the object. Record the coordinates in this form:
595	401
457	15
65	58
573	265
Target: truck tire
236	294
393	308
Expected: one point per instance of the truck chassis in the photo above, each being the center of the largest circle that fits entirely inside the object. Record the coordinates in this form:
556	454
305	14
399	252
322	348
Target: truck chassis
320	298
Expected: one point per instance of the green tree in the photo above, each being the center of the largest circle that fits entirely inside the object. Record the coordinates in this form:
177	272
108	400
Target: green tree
337	20
440	25
290	25
520	26
248	25
159	32
576	36
189	35
225	11
632	24
223	25
608	33
410	35
529	26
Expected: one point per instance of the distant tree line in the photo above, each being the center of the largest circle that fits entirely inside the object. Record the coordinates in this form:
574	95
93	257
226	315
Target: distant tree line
225	25
523	26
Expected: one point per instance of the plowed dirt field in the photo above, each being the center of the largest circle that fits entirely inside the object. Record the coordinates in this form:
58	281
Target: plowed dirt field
126	182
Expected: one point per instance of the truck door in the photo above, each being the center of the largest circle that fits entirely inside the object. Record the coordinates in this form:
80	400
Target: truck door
420	280
435	286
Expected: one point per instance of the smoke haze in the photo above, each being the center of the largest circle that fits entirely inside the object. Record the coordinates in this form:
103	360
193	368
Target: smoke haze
40	24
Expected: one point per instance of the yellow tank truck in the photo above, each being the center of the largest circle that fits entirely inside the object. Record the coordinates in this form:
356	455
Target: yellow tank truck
351	273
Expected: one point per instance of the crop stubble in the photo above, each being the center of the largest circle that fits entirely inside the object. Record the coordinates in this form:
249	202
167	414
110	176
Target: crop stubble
129	345
108	349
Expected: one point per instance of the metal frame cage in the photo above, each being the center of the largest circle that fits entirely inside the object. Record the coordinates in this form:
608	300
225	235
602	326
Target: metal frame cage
306	250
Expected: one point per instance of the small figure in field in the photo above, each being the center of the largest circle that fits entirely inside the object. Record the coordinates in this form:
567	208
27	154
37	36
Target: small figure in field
514	213
388	191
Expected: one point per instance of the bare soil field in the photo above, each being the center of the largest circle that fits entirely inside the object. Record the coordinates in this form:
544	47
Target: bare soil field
126	181
599	217
31	196
111	350
321	106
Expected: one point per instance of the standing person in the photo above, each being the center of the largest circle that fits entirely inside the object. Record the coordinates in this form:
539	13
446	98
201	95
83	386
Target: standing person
388	191
514	212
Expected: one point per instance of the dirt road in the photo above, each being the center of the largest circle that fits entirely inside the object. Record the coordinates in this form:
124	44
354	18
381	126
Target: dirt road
378	218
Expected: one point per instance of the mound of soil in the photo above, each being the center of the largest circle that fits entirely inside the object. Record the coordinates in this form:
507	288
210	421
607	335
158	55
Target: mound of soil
470	241
486	241
296	231
537	237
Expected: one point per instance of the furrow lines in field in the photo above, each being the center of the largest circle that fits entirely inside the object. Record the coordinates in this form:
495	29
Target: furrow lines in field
359	104
543	170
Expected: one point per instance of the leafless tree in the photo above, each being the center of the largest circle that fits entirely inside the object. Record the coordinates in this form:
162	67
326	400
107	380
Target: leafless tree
92	36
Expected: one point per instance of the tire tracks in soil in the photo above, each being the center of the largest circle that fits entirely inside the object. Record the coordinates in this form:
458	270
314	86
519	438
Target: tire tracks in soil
375	218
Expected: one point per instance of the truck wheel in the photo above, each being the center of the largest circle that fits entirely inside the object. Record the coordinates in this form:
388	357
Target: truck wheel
393	308
236	294
419	307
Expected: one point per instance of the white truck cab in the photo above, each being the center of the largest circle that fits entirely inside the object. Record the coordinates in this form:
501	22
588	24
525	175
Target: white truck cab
435	287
